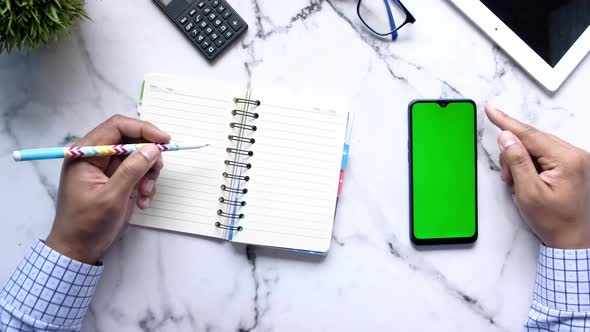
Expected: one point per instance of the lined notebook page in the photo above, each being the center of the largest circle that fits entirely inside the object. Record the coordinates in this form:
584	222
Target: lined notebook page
188	186
295	174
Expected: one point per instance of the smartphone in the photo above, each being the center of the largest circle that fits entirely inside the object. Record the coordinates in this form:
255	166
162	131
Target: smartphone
443	171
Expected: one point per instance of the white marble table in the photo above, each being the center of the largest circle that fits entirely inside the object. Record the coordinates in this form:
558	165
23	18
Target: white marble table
372	279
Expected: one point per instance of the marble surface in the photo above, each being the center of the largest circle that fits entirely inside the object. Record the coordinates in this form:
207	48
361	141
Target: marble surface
372	279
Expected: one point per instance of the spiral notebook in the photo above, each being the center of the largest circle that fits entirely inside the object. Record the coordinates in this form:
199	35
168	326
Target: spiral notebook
270	177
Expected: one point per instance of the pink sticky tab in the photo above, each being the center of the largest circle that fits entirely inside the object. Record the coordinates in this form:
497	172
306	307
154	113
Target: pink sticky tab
340	183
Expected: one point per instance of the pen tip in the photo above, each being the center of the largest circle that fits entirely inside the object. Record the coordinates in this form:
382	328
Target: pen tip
16	156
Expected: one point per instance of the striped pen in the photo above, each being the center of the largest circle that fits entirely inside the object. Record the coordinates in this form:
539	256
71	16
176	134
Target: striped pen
94	151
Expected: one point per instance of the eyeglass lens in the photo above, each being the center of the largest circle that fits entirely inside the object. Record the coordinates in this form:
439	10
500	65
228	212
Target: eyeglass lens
382	16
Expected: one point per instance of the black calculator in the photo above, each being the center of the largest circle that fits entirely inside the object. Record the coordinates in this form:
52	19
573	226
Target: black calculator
211	25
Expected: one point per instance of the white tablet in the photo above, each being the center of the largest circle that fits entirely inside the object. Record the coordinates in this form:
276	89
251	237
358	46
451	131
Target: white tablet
547	38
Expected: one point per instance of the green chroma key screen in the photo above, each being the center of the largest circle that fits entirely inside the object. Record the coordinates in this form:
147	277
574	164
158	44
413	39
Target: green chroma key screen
443	171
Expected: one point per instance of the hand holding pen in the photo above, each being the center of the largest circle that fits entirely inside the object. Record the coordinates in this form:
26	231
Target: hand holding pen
97	195
94	151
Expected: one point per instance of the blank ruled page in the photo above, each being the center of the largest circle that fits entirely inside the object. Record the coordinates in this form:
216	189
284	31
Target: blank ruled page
188	186
295	174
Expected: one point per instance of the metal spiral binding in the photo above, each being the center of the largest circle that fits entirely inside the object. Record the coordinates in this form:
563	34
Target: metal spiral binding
243	126
240	112
223	226
233	176
232	203
230	215
247	101
234	190
238	164
240	150
241	139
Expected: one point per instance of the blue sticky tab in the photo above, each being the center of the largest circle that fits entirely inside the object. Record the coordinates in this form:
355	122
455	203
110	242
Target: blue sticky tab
344	157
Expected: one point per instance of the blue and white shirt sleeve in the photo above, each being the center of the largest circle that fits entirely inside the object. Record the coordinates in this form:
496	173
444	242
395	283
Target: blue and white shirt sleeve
561	301
48	292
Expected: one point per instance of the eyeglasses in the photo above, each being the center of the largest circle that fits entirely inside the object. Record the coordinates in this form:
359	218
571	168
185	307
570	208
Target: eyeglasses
384	17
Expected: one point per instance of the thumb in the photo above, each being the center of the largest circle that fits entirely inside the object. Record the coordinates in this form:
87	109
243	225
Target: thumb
516	157
133	169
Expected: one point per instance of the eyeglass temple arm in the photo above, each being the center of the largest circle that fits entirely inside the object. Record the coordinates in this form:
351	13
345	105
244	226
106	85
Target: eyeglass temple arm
391	20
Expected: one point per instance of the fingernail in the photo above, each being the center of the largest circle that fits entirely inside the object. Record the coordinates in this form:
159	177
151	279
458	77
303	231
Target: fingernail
150	151
506	139
491	108
149	185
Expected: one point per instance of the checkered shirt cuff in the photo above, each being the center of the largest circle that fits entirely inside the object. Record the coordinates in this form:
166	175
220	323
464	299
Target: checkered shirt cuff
563	279
48	291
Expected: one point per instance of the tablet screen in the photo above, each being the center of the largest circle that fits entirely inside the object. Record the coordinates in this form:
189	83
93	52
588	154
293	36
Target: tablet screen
550	28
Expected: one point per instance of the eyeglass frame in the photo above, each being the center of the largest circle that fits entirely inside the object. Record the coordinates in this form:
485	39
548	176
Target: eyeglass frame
409	18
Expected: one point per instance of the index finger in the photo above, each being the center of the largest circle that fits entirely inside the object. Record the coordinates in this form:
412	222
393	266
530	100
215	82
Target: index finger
536	141
114	129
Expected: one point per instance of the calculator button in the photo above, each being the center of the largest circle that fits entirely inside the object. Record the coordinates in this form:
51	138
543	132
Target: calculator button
211	25
236	24
200	38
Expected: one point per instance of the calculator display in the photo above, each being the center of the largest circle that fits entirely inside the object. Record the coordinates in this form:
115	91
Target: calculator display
165	2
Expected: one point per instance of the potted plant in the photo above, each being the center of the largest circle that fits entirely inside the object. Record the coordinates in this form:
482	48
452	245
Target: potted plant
35	23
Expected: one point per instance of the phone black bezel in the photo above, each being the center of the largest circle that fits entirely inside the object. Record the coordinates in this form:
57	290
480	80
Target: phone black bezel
436	241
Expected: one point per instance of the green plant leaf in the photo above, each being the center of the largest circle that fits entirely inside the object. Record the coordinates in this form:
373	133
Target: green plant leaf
34	23
52	14
36	17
